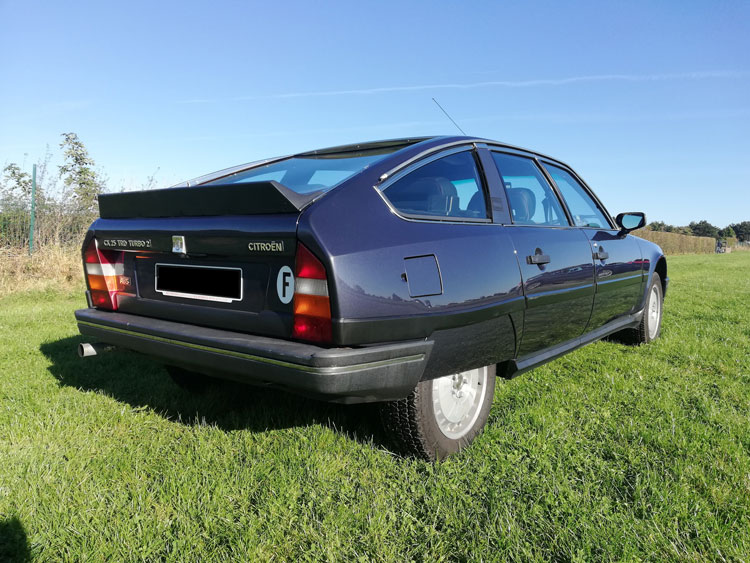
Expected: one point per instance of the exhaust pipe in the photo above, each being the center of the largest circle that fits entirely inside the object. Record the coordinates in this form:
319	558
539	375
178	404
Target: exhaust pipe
87	350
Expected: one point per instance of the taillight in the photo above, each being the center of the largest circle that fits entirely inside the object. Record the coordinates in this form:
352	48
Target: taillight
105	275
312	306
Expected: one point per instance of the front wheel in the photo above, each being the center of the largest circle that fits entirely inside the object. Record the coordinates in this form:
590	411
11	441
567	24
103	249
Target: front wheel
441	416
650	326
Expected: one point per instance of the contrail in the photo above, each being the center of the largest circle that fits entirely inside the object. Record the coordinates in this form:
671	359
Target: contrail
486	84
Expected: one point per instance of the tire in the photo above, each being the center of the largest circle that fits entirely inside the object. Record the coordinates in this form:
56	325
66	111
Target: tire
191	381
649	328
441	416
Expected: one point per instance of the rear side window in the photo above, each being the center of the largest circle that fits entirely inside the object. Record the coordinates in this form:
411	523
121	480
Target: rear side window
448	187
532	200
583	209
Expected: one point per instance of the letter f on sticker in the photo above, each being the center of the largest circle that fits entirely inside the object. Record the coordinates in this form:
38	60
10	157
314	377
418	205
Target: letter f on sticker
285	281
285	284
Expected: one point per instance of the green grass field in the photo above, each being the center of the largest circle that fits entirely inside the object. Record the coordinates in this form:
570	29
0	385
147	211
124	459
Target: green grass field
610	453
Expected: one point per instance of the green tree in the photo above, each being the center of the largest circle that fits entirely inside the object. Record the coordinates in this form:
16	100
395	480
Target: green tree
78	173
657	226
742	230
704	229
16	183
727	232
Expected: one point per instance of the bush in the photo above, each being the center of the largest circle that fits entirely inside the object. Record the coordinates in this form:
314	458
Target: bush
674	243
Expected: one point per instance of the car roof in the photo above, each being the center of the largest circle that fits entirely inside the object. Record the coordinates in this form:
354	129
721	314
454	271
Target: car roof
400	151
425	144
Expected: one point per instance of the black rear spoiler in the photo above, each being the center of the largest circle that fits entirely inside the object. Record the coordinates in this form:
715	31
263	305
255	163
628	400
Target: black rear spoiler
247	198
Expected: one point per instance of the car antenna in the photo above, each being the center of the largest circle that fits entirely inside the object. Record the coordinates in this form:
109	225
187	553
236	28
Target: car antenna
448	116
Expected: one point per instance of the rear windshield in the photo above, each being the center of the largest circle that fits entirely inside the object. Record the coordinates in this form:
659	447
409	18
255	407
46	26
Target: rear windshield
308	173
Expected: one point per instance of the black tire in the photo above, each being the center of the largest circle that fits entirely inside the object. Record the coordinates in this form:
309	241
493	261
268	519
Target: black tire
413	423
648	329
191	381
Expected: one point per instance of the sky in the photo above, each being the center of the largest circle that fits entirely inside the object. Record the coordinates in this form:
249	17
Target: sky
648	101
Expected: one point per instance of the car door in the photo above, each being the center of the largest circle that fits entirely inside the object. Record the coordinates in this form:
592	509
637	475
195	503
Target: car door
554	257
617	258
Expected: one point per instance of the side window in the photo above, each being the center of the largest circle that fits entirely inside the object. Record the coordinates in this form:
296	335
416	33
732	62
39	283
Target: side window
583	209
532	200
447	187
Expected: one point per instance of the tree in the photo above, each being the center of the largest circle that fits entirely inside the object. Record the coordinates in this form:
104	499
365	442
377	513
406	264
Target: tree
78	173
657	226
704	229
742	230
16	182
727	232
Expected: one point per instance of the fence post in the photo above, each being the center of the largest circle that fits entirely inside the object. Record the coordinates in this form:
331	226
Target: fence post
33	210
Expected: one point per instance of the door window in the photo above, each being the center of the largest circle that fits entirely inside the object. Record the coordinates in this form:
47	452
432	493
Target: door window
532	200
448	187
583	209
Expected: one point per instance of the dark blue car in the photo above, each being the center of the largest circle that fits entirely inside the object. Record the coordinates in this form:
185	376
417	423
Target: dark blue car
411	272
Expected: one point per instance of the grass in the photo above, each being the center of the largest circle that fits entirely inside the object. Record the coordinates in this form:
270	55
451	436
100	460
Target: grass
50	267
609	453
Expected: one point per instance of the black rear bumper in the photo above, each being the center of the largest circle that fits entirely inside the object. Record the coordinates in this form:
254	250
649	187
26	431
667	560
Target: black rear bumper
348	375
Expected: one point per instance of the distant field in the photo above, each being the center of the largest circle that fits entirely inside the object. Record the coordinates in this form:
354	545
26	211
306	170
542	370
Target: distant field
609	453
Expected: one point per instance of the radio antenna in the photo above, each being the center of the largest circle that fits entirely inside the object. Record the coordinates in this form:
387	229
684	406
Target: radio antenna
448	116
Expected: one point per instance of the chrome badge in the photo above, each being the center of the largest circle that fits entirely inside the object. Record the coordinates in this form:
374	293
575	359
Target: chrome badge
266	246
178	244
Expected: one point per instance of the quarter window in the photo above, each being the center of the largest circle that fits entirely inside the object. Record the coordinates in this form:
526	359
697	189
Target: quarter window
582	208
447	187
532	200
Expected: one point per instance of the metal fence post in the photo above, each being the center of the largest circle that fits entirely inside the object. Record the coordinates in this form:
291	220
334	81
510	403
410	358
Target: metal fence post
33	210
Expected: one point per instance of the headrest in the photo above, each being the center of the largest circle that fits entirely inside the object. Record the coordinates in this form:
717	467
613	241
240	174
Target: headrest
523	204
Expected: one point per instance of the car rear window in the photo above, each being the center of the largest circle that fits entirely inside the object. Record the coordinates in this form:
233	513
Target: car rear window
307	174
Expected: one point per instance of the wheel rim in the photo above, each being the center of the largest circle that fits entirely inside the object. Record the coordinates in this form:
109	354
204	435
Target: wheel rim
458	399
654	312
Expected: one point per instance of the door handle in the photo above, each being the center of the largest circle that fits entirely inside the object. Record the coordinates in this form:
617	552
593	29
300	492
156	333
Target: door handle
601	254
538	259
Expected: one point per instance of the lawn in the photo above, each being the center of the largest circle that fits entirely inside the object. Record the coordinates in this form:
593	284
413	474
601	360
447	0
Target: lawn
610	453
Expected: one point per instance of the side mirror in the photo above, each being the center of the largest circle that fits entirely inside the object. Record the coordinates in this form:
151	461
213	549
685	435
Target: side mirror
630	221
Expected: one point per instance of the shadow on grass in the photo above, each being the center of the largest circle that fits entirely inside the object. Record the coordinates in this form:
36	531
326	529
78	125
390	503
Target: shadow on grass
143	383
13	544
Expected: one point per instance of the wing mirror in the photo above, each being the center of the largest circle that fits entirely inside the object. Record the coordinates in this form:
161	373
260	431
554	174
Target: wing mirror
630	221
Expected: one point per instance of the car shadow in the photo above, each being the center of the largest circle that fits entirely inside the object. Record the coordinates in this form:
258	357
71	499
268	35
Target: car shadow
143	383
14	545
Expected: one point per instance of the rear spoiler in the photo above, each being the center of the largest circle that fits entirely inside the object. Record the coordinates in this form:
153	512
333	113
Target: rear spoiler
247	198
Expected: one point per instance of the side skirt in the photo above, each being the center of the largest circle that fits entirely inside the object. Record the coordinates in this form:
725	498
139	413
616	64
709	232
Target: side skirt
513	368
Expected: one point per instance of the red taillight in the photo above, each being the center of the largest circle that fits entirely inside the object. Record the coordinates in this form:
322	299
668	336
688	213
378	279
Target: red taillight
312	305
308	266
105	275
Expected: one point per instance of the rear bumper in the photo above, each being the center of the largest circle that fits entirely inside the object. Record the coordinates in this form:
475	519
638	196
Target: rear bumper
347	375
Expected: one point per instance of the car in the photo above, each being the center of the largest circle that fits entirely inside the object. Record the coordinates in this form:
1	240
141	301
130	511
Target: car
408	272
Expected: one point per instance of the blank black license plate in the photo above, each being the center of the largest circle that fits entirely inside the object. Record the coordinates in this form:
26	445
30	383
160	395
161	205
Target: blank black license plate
199	282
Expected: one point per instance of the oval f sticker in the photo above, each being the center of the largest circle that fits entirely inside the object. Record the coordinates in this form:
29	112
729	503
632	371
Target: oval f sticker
285	284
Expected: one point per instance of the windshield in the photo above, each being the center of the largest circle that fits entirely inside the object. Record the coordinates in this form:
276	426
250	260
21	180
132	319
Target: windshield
306	174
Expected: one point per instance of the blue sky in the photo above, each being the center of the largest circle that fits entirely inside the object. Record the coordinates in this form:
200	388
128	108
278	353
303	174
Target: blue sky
648	101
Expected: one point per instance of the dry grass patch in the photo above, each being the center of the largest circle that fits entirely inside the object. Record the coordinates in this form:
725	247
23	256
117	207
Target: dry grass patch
50	267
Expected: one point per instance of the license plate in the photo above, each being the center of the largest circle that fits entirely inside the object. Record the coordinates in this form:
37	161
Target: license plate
209	283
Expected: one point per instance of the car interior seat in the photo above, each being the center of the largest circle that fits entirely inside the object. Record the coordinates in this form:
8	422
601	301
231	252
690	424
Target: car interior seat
430	195
477	206
446	202
523	204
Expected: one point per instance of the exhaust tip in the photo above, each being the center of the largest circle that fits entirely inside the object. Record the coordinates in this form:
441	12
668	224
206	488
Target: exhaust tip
86	350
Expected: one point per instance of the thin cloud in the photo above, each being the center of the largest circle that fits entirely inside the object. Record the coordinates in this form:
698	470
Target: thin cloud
484	84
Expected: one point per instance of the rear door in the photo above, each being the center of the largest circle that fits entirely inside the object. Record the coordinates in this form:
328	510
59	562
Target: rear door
617	258
555	258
